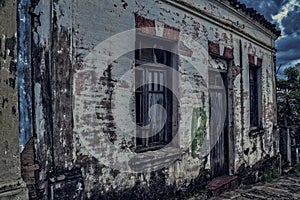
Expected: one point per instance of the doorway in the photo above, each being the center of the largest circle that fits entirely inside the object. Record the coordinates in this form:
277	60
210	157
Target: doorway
218	101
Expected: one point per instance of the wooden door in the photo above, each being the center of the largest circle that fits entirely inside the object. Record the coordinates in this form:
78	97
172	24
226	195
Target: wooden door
218	123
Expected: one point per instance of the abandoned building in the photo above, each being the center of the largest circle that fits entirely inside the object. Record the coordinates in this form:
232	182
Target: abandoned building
135	99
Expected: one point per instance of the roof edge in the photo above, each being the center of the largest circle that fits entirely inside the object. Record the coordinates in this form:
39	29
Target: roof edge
252	13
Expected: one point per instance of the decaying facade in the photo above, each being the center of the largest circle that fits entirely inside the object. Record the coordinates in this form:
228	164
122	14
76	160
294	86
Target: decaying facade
97	70
12	185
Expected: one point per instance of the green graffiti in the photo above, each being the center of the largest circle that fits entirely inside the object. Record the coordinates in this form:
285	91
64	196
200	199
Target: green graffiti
199	120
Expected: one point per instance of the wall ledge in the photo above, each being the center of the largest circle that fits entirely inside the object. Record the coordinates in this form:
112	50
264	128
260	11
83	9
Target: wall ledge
14	190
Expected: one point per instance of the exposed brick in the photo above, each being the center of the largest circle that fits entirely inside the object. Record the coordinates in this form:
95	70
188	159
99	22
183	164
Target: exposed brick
251	59
228	53
29	167
145	25
213	48
171	33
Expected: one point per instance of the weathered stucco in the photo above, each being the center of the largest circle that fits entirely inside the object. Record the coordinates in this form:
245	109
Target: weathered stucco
77	78
11	183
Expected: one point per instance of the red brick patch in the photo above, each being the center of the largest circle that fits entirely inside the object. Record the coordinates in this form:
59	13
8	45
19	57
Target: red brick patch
259	62
213	48
228	53
171	32
251	59
145	25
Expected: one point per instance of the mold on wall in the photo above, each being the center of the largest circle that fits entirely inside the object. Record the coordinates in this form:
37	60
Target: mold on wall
198	129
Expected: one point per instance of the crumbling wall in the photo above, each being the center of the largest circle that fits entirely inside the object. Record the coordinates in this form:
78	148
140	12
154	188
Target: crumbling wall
11	183
252	147
52	78
9	95
77	78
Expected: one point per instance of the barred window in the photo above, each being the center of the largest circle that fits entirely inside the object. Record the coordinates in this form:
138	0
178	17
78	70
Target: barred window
153	65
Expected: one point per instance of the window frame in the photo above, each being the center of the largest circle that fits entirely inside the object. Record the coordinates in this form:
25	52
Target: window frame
255	96
154	66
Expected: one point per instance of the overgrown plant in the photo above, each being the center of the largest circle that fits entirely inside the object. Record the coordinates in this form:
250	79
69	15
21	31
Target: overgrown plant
288	103
297	167
288	98
270	175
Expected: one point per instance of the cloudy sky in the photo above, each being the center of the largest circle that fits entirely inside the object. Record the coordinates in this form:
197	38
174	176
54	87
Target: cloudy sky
286	15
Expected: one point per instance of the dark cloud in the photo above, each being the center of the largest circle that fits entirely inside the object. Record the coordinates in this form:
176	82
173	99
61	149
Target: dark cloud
288	46
287	43
291	23
285	57
265	7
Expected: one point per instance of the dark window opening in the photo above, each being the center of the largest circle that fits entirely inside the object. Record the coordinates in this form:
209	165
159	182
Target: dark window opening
153	75
254	96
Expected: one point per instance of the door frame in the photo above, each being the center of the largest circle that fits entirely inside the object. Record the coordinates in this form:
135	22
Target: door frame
226	129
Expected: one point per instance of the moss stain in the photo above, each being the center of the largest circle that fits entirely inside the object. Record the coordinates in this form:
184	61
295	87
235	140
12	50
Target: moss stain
199	120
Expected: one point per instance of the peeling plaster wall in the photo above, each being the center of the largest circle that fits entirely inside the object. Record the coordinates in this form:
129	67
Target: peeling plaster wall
9	96
65	53
11	183
251	149
24	73
41	51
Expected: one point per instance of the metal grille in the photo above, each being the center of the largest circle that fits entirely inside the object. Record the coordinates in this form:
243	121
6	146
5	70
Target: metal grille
153	65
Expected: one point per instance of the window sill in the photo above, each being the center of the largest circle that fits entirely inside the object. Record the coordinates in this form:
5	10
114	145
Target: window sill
256	131
150	148
154	159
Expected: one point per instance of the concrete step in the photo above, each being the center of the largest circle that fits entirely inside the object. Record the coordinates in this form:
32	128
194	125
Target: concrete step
221	184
